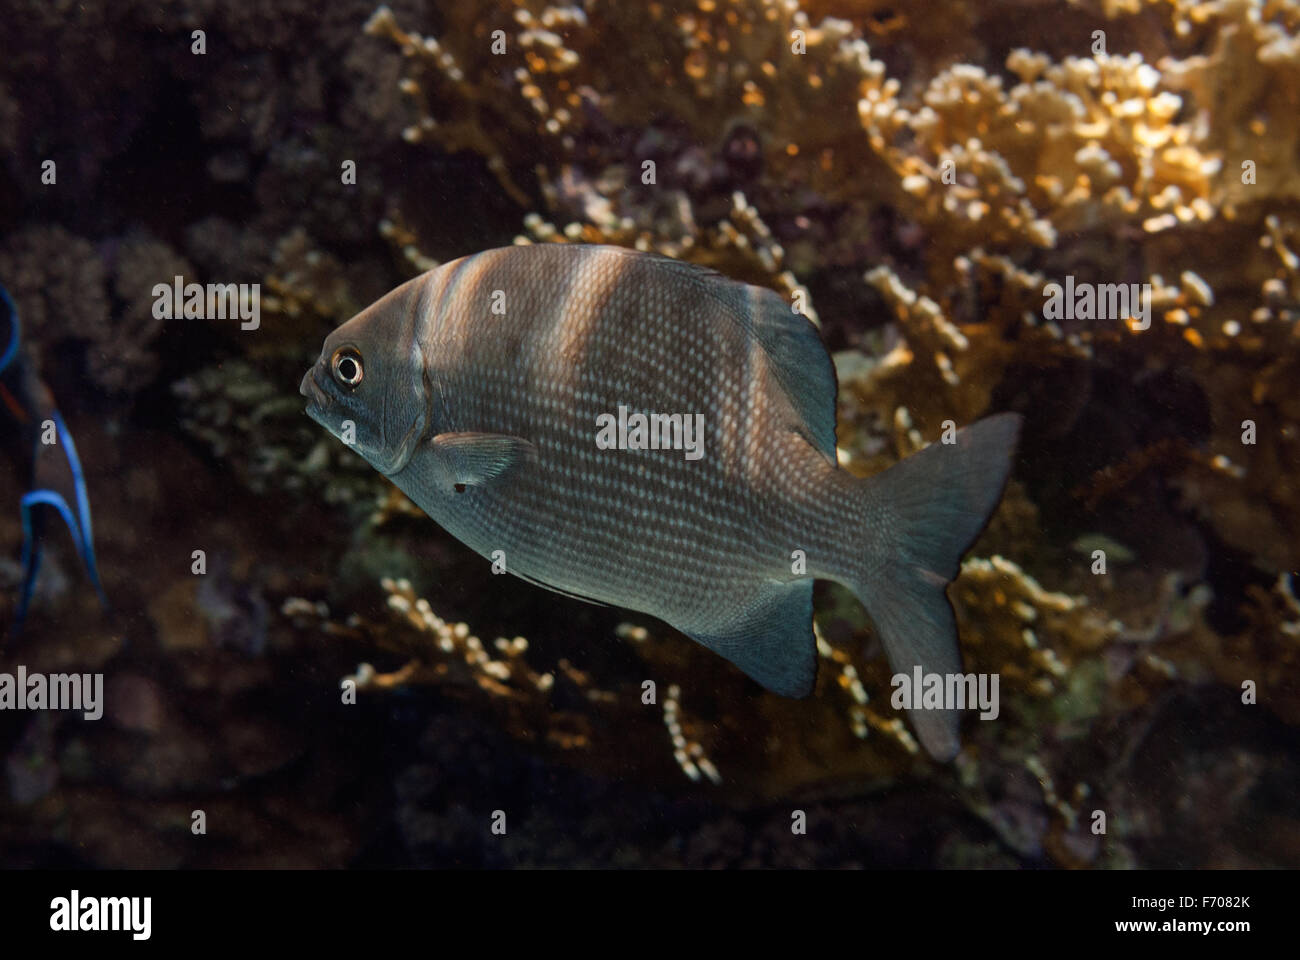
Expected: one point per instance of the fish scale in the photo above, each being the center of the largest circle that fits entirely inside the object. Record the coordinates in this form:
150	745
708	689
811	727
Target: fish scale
489	421
606	553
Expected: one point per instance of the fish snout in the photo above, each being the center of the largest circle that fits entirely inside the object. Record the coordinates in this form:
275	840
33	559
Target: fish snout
311	390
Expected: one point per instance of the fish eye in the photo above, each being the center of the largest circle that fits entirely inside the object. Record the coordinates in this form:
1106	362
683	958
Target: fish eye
346	366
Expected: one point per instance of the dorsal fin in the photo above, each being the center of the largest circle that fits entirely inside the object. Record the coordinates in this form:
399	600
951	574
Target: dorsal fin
799	358
801	362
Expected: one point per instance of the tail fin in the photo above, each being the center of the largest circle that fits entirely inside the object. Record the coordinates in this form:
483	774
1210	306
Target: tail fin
936	503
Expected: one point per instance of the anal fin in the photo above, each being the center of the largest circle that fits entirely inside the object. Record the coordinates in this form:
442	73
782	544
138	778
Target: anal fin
772	643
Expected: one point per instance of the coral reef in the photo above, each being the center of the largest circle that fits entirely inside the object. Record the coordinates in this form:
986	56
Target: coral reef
68	290
924	173
1109	165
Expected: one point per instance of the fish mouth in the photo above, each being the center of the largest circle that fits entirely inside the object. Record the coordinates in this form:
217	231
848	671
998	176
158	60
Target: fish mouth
310	389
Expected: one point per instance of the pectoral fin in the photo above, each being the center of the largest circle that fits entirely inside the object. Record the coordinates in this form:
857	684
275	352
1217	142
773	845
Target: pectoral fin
476	459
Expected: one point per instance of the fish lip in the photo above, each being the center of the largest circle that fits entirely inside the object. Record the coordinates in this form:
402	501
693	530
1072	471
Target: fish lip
310	389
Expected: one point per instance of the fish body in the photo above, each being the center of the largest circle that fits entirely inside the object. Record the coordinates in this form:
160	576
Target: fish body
34	434
503	393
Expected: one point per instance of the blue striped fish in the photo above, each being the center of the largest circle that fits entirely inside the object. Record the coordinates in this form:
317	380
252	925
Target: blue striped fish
33	432
642	432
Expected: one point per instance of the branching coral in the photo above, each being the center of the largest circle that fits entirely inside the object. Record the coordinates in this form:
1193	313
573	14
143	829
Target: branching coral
1266	654
126	361
57	281
1250	77
556	80
61	284
690	756
259	433
1081	145
555	74
563	708
1028	635
1245	484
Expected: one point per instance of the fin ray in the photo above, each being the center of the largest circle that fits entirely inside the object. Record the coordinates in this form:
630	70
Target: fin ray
938	501
476	459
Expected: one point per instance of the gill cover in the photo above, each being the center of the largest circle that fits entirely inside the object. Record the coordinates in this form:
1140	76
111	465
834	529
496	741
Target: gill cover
387	397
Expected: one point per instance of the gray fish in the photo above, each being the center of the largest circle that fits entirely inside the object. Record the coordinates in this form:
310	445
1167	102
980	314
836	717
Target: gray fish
643	432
